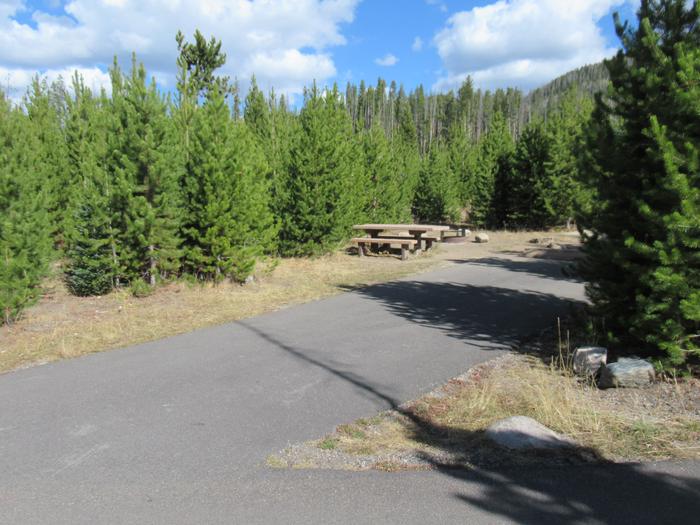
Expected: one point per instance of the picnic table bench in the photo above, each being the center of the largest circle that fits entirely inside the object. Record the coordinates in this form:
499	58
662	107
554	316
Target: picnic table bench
417	238
405	243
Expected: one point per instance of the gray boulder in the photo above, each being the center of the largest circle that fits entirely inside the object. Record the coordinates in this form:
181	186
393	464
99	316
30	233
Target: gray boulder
521	432
628	372
589	359
481	237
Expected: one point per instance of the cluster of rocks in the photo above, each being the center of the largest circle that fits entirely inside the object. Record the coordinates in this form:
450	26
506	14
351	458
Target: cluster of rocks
523	433
626	372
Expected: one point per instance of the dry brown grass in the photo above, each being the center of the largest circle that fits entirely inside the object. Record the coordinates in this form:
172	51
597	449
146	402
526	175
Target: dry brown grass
62	326
518	385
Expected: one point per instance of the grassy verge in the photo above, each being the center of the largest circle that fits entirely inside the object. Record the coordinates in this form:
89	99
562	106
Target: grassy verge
62	326
447	426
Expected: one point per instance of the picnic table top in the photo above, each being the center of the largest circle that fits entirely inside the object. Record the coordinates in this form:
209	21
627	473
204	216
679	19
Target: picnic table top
410	227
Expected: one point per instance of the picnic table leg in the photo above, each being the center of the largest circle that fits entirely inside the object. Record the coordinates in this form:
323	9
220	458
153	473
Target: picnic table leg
404	252
417	236
428	244
374	248
361	249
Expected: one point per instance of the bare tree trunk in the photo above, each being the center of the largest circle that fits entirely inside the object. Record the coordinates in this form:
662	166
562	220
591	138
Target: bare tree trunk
153	269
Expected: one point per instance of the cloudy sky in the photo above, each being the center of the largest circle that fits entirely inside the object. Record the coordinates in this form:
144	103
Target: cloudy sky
288	43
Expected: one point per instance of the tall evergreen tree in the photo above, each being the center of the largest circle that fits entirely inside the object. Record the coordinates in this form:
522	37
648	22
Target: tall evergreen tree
565	130
208	226
257	114
25	227
526	194
383	179
437	196
461	155
642	249
283	132
322	192
145	163
91	237
255	228
492	165
46	127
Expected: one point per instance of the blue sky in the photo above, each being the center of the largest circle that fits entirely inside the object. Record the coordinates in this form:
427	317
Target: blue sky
289	43
380	29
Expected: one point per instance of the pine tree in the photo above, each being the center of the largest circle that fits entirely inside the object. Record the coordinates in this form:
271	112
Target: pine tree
92	248
208	226
525	195
461	161
255	228
25	227
565	130
383	191
51	161
437	196
145	163
283	132
405	151
257	114
492	164
322	194
642	260
91	270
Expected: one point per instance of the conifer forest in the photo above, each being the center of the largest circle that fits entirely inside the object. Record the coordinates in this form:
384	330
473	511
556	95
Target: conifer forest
138	186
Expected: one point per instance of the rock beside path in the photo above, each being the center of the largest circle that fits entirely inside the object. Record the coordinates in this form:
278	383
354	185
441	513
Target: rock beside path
627	373
521	432
589	359
481	238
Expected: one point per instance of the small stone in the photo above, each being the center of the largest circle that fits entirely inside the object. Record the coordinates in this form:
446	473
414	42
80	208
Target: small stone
589	359
627	372
521	432
481	238
249	280
553	246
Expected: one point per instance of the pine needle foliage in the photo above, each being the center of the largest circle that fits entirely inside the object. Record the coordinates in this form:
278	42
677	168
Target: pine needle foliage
642	248
322	191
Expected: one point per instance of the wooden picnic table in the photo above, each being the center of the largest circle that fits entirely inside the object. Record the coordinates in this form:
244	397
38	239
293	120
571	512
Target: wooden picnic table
417	231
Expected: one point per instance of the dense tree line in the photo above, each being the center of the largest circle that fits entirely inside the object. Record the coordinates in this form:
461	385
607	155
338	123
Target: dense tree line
138	186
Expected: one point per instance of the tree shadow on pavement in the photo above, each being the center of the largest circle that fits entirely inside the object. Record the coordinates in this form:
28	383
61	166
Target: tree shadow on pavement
612	494
543	487
533	487
548	269
483	316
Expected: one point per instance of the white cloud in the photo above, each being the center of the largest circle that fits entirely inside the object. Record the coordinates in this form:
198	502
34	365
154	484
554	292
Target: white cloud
284	42
417	44
387	60
15	81
521	42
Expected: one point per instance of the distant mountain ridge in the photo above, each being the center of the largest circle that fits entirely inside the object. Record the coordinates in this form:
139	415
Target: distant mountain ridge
589	80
